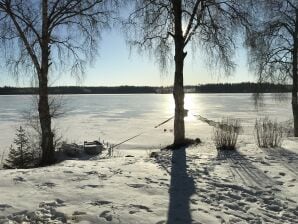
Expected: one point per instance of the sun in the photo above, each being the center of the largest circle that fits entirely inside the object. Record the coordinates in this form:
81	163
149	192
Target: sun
189	104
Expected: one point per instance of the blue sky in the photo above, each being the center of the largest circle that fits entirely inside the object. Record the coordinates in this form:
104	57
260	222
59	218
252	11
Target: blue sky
117	66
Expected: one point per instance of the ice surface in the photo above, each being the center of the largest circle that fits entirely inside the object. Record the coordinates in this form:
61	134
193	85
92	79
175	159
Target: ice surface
114	118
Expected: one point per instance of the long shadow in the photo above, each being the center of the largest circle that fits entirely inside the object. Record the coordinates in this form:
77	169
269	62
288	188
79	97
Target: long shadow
241	167
283	153
287	158
181	188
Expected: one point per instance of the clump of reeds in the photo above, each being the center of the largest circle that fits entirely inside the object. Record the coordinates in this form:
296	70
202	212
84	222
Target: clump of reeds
268	133
226	134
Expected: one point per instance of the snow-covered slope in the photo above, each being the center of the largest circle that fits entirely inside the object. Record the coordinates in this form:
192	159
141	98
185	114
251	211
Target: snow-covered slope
192	185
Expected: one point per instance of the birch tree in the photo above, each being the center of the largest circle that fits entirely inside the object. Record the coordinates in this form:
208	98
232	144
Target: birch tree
163	27
41	37
273	45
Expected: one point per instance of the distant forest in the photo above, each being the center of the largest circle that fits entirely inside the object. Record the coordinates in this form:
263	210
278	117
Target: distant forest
245	87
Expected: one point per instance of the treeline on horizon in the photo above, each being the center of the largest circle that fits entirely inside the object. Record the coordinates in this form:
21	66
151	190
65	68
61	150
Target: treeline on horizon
245	87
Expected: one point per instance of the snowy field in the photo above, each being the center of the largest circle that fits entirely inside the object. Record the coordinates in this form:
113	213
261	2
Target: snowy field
194	185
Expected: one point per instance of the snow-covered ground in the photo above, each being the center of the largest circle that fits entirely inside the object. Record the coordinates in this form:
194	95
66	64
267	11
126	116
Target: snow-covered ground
192	185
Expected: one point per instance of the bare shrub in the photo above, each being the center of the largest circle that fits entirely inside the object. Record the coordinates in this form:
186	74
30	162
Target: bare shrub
226	134
268	133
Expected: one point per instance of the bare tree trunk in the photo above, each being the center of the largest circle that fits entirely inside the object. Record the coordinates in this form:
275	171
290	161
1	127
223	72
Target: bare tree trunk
178	91
48	156
295	78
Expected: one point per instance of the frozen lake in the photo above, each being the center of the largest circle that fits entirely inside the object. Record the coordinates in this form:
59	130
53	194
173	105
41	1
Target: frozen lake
114	118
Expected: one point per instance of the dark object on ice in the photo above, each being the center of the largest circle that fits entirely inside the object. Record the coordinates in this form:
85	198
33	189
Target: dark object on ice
129	156
71	150
93	148
187	142
185	112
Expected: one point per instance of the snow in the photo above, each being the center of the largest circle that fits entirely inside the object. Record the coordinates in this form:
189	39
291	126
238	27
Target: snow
193	185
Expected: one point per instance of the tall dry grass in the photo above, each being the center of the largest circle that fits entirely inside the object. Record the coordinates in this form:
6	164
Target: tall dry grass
226	134
268	133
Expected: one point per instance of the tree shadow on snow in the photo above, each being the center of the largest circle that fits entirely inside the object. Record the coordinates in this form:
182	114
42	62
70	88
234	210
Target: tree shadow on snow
181	188
287	158
282	153
242	168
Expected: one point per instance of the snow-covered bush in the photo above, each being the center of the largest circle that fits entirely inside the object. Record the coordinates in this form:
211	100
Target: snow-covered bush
226	134
20	154
268	133
71	150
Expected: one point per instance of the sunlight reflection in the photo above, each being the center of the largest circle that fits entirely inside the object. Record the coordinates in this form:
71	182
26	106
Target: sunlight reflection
189	105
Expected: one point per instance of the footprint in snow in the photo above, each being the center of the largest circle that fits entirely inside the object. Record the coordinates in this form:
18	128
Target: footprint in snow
106	215
118	171
100	203
18	217
102	176
141	207
46	185
79	178
91	172
161	222
274	208
150	181
18	179
91	186
77	213
194	201
47	213
202	210
77	216
136	185
52	204
279	182
4	206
